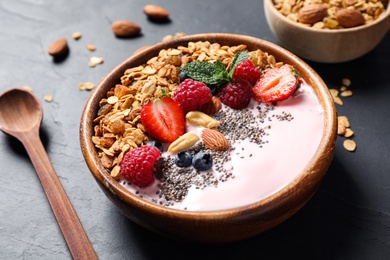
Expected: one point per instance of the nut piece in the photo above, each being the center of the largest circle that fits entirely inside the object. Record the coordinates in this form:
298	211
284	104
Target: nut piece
214	140
313	13
183	142
211	107
58	48
350	18
155	12
201	119
123	28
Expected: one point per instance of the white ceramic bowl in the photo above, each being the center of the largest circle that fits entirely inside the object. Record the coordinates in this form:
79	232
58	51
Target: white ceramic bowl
327	46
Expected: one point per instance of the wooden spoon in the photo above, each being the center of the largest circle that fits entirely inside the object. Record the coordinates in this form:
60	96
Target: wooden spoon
20	116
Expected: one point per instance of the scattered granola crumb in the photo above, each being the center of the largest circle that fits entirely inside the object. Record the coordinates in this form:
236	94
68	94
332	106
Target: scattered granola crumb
346	93
344	129
48	98
343	126
348	133
86	86
91	47
170	37
349	145
343	120
28	88
76	35
93	61
346	82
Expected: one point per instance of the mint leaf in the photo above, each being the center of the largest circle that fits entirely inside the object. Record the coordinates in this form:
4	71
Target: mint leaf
208	73
238	58
213	73
221	75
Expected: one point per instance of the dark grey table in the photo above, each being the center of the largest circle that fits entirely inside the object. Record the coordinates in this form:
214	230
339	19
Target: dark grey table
348	218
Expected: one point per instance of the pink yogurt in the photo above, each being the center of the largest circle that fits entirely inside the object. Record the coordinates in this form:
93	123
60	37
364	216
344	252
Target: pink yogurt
260	172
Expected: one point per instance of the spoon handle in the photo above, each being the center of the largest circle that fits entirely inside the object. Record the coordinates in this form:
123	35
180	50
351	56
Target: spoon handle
78	243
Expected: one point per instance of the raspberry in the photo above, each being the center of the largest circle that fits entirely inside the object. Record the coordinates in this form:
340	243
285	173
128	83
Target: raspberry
236	94
248	71
191	94
138	165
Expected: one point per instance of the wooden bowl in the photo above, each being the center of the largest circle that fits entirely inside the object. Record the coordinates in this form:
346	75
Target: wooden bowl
327	46
223	225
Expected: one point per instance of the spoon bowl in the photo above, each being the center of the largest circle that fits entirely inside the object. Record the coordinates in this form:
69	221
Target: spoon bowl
20	111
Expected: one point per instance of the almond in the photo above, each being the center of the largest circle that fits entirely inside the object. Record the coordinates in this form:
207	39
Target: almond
211	107
123	28
349	17
214	140
58	47
313	13
155	12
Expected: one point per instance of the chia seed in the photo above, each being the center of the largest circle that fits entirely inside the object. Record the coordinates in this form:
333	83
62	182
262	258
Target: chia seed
236	126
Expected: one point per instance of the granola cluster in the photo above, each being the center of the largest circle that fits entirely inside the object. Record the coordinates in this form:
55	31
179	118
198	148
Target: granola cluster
369	9
118	127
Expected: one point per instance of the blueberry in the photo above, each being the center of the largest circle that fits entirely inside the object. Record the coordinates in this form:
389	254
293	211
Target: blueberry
183	76
215	88
183	159
156	144
202	161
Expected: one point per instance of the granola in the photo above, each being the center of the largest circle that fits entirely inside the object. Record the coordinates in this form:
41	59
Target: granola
118	127
370	9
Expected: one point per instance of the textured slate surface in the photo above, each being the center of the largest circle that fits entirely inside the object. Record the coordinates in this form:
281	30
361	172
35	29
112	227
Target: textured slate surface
348	218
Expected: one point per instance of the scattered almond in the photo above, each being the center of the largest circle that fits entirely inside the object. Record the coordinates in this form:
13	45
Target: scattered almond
155	12
58	47
350	17
123	28
312	13
211	107
214	140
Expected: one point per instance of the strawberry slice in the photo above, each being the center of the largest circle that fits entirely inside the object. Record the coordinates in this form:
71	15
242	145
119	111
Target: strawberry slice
163	119
276	84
